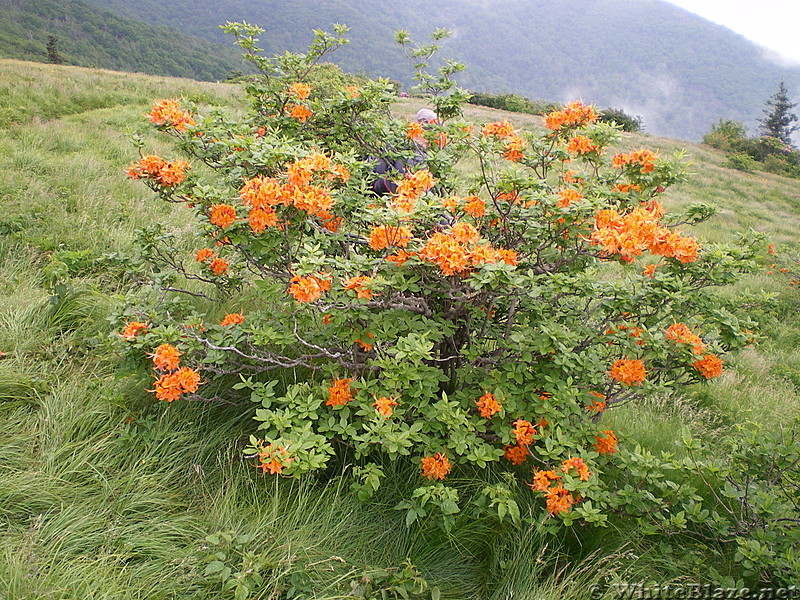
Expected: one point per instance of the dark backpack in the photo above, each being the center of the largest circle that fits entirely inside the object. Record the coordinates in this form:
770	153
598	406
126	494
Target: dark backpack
388	169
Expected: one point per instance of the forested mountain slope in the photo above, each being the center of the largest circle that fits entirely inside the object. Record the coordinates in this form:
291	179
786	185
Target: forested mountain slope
89	36
678	71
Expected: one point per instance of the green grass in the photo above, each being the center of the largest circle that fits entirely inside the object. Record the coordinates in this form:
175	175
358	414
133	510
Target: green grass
105	494
32	91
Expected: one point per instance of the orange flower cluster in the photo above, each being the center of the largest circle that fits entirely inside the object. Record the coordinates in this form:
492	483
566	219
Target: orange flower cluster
649	271
631	234
488	405
557	498
264	194
598	405
360	285
567	197
505	131
578	465
576	114
300	112
352	91
502	129
273	459
709	366
232	319
411	188
523	432
339	392
464	233
645	160
177	380
399	258
261	218
415	130
436	466
308	289
222	215
132	329
475	207
384	236
516	454
625	188
166	357
366	347
385	406
513	149
511	197
301	171
678	332
171	386
451	203
580	145
628	371
459	251
542	480
300	90
167	174
204	255
218	266
314	200
606	443
168	112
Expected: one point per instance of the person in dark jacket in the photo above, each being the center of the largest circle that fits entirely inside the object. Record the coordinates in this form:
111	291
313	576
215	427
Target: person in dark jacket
388	169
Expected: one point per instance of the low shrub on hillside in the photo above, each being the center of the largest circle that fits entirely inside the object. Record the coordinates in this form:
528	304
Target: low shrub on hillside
748	153
461	325
513	103
741	162
725	135
628	123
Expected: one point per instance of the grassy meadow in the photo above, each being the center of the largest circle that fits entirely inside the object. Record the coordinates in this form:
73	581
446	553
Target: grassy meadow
107	494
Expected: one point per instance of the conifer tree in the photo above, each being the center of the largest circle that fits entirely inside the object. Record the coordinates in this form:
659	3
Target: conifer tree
779	121
53	56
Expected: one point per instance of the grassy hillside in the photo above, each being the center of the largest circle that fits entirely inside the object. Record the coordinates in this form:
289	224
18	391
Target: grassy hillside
93	37
106	494
678	71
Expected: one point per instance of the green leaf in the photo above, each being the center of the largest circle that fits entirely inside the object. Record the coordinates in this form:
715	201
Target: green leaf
214	566
242	592
411	517
449	507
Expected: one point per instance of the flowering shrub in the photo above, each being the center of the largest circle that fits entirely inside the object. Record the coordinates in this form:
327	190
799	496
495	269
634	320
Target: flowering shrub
475	318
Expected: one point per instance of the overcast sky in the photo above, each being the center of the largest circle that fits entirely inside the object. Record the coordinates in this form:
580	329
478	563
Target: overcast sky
771	23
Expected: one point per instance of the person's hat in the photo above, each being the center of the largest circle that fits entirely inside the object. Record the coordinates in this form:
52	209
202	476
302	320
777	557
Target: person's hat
425	115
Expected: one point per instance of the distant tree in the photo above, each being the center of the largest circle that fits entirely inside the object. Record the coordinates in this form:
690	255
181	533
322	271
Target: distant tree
53	55
726	135
779	120
628	123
